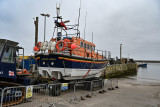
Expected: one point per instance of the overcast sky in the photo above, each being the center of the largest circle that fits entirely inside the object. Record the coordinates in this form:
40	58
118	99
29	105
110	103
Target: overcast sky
133	23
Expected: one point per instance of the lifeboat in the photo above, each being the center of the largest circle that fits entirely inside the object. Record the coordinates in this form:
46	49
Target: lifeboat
69	57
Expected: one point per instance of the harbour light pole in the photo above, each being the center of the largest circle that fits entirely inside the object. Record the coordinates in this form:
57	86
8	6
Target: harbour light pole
45	23
121	53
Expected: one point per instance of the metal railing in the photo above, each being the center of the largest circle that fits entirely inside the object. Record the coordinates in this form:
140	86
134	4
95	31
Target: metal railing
86	53
1	90
24	96
51	94
60	92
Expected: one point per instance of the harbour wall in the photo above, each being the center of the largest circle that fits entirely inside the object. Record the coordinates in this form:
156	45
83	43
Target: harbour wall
120	70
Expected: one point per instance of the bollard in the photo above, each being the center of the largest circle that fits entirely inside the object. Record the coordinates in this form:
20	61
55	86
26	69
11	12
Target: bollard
117	84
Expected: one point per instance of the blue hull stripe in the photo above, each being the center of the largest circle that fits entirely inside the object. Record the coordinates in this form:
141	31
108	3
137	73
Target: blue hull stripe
59	61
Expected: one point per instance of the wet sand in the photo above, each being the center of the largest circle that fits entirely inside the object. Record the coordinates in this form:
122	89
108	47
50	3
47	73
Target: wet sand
131	93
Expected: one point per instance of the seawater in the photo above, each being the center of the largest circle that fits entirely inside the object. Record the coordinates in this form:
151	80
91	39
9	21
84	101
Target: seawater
151	72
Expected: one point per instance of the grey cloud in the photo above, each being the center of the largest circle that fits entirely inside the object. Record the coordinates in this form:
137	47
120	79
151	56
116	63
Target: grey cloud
134	23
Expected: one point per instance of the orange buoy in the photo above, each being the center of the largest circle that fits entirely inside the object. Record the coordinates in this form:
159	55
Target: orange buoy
58	47
68	43
73	46
37	47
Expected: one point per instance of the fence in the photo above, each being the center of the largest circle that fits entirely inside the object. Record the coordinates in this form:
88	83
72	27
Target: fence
82	89
24	96
1	96
60	92
51	94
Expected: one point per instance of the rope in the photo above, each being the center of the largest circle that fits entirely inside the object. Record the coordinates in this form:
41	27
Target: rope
64	66
89	70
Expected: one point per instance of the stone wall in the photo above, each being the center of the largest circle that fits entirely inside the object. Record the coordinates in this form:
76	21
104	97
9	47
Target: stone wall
119	70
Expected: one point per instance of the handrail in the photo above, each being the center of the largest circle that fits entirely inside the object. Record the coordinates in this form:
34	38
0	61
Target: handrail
100	54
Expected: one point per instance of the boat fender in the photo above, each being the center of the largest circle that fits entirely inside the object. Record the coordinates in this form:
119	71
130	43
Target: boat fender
49	47
50	44
53	46
44	48
58	47
46	43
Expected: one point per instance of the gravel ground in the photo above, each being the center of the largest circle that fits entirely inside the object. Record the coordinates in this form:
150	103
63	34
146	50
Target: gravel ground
131	93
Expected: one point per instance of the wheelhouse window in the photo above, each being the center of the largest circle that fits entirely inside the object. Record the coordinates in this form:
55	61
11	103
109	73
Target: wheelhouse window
81	44
84	45
88	46
93	48
8	55
1	48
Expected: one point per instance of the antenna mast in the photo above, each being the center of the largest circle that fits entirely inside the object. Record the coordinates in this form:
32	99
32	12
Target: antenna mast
85	27
92	46
78	33
92	37
58	10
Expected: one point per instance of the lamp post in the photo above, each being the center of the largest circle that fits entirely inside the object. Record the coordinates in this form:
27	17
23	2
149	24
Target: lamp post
45	23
